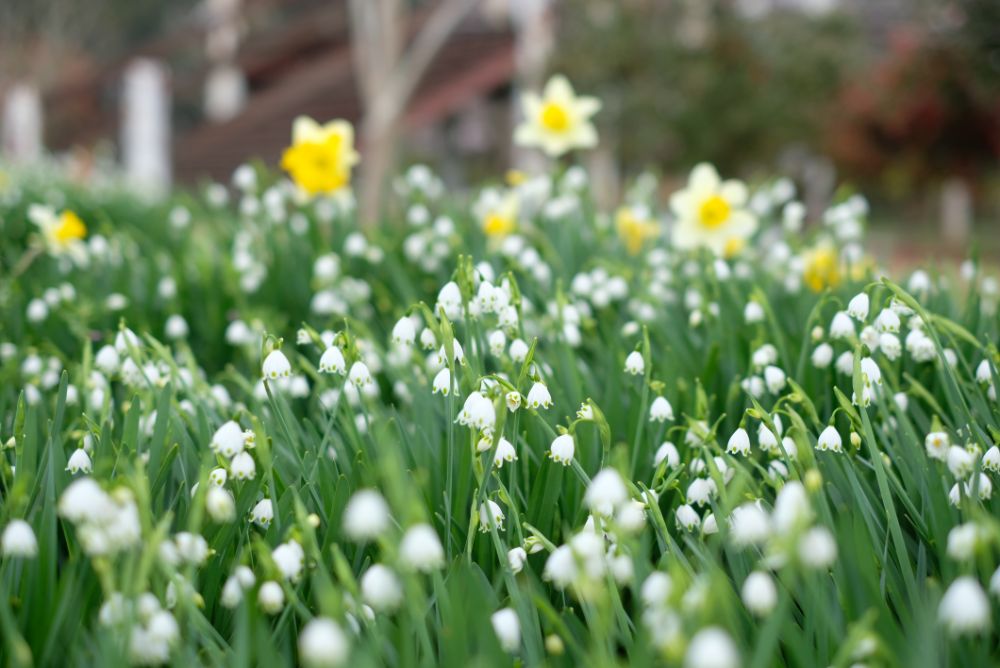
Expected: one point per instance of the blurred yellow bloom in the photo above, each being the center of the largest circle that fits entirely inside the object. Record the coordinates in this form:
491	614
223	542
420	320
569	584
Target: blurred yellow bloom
70	228
733	247
62	233
321	156
635	229
861	270
710	213
516	177
559	120
821	268
497	212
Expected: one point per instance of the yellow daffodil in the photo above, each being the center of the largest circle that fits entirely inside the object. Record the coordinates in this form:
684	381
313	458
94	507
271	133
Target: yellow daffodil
710	213
62	233
497	212
861	269
635	228
559	120
321	156
821	268
515	177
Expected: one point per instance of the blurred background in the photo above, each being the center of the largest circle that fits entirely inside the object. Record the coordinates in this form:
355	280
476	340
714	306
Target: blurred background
898	98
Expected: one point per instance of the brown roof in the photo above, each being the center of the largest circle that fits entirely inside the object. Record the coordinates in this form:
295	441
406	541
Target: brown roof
322	86
296	57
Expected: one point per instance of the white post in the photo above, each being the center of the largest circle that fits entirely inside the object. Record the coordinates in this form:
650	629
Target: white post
956	212
22	123
225	86
225	93
145	133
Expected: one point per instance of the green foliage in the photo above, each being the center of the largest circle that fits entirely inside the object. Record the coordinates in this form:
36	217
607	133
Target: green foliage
736	97
884	501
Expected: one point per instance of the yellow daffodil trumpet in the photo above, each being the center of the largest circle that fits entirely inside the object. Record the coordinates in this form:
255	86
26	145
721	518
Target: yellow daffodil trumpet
320	158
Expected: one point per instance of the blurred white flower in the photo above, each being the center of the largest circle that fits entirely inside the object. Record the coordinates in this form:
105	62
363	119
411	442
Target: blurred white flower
960	461
18	540
753	313
420	548
477	413
937	444
818	548
687	517
228	440
381	589
289	558
366	516
792	509
271	597
220	504
962	541
841	327
176	327
822	355
561	568
323	644
964	608
516	558
507	626
749	524
711	647
701	490
759	593
605	493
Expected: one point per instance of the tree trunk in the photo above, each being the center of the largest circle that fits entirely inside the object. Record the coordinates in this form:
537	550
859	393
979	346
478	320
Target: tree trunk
387	77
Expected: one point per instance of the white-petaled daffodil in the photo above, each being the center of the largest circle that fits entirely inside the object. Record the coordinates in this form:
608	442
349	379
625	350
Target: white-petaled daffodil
710	213
558	121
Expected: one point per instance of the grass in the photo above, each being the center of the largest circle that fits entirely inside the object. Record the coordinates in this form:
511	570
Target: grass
883	500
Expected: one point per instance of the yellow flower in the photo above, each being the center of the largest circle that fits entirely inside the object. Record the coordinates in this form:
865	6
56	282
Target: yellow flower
515	177
635	229
559	120
710	213
861	269
62	233
821	268
497	212
321	156
69	229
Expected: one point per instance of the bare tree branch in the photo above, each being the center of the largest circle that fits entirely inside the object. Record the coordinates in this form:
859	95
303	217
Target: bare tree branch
445	18
388	75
